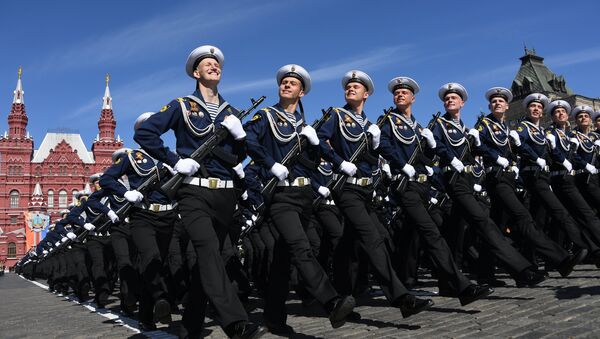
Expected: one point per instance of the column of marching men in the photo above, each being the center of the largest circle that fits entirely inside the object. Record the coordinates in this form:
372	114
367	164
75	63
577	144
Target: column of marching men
327	208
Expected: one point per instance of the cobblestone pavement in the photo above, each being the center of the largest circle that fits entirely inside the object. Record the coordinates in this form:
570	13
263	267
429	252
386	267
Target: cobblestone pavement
557	308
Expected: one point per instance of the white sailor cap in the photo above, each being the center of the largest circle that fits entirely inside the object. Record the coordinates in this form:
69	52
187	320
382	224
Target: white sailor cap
403	82
206	51
453	87
80	194
581	109
143	117
558	103
499	92
295	71
536	97
116	154
360	77
94	177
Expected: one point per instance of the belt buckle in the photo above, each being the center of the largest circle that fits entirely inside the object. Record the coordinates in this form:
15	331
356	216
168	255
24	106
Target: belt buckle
364	181
468	169
421	178
213	183
300	181
155	207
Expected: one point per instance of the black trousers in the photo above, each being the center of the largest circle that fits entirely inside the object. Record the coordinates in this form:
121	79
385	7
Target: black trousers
461	193
177	262
572	199
414	201
290	212
124	251
330	220
590	189
541	194
504	198
99	251
207	215
353	202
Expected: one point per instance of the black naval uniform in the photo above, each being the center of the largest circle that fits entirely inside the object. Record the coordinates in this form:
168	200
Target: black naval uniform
271	134
207	201
587	154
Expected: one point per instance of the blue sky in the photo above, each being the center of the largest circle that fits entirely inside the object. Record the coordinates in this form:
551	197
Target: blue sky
67	47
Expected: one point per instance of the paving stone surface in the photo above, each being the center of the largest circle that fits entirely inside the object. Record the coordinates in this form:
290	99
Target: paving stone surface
557	308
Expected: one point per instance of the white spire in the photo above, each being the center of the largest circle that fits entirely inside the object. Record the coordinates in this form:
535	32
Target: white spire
19	99
107	100
37	191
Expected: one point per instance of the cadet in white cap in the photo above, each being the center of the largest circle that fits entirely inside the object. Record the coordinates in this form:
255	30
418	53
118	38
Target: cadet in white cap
450	134
586	162
271	134
208	197
500	163
406	145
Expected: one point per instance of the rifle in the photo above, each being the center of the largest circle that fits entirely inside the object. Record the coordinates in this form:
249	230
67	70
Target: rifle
572	150
403	182
464	152
292	156
592	162
172	185
339	182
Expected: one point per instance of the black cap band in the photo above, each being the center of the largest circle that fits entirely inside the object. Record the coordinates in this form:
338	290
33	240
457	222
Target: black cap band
405	86
293	75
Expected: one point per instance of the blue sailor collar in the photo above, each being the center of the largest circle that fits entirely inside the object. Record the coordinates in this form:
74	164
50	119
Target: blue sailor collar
454	133
141	162
586	143
350	127
497	130
403	128
563	138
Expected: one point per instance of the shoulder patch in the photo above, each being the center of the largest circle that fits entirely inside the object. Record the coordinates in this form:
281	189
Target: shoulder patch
480	128
118	161
256	117
164	108
520	129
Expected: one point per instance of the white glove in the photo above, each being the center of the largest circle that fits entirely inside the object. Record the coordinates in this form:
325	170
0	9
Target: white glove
475	134
575	142
113	216
64	239
429	171
234	126
51	249
310	134
57	243
515	136
71	235
409	170
45	252
280	171
171	170
187	166
133	196
457	164
477	188
597	142
348	168
385	168
515	170
89	227
239	170
502	161
324	191
245	195
433	200
567	165
541	162
428	135
591	169
552	139
375	133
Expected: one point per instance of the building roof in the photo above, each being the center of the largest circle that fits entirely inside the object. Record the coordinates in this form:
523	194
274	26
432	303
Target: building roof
52	139
535	77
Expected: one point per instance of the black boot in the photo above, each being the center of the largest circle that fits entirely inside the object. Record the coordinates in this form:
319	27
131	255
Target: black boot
409	304
473	293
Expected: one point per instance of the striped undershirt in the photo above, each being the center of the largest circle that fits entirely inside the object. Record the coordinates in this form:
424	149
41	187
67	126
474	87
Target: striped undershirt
212	110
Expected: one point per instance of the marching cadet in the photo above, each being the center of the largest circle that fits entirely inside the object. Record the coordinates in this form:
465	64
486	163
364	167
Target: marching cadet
587	160
500	166
561	171
596	124
451	139
400	141
207	199
340	136
272	133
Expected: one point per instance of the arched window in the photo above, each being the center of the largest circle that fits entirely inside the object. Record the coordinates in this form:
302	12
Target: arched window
14	199
62	199
38	171
74	192
50	198
12	250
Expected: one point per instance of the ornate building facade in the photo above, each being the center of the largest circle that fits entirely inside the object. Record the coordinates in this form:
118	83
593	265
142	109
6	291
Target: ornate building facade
35	184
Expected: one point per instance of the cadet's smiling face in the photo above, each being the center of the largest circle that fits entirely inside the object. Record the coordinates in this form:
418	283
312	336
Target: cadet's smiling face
403	98
535	111
355	92
290	88
498	106
208	69
453	102
583	120
560	116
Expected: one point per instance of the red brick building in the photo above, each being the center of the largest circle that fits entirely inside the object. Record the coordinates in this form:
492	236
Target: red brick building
55	171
